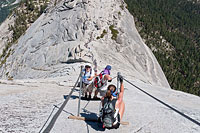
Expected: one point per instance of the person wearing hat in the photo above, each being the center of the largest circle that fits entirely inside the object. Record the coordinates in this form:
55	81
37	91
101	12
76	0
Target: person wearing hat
115	99
101	82
87	80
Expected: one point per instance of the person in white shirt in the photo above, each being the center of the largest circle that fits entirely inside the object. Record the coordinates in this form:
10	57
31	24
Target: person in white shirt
87	81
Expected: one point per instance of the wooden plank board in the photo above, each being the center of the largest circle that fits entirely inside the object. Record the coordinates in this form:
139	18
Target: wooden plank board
92	119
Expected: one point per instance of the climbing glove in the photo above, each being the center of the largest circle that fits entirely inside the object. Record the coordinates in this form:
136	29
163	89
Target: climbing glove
120	77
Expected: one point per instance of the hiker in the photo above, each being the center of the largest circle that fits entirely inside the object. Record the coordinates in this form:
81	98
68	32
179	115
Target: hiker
113	108
101	82
87	80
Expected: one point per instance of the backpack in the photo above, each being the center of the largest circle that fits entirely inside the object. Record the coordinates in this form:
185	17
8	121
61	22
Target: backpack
108	112
98	80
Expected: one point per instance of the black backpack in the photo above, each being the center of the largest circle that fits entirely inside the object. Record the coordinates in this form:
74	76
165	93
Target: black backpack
108	112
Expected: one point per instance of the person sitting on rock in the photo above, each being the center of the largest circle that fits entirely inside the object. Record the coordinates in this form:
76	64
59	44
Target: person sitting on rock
101	82
87	80
113	106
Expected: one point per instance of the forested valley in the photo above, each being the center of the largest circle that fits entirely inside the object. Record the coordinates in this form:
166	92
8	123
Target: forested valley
171	28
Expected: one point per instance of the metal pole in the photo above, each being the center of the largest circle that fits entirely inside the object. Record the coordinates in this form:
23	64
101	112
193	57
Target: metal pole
79	101
118	81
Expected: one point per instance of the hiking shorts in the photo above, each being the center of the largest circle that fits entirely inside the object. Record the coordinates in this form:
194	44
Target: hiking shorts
87	87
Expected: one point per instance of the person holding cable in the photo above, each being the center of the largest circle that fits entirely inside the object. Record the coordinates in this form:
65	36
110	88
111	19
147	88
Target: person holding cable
113	106
87	81
101	82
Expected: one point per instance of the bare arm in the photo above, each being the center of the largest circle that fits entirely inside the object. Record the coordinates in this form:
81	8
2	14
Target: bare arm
90	78
107	77
121	94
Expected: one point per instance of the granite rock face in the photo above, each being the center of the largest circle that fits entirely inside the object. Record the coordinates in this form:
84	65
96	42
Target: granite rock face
77	31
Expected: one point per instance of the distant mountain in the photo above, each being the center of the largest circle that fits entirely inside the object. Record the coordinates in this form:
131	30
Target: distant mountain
70	32
19	20
171	28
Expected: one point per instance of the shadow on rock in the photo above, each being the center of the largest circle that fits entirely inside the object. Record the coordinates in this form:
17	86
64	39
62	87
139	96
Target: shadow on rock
72	61
72	96
94	124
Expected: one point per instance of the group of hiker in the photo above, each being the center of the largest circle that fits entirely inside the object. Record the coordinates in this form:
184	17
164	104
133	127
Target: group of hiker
112	101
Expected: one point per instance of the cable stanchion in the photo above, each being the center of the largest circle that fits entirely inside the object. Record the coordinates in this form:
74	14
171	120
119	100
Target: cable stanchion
80	91
53	120
118	81
167	105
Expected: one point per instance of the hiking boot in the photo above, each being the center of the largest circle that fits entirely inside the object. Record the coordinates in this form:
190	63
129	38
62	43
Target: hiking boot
84	98
96	98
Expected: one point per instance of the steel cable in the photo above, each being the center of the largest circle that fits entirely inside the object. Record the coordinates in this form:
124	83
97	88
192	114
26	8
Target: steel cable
167	105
